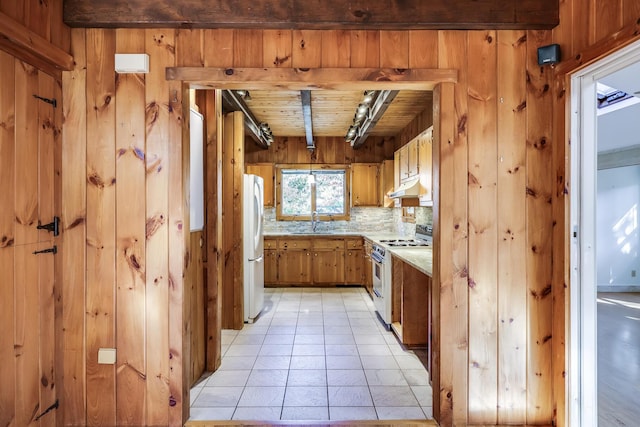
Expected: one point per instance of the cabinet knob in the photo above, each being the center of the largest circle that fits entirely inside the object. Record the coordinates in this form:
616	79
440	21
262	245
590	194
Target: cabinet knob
308	254
315	254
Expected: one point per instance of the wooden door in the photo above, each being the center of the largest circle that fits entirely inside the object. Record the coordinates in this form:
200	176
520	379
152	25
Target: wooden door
412	159
328	267
28	162
354	261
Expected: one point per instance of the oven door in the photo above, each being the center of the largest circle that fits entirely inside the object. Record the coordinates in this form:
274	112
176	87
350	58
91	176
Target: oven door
378	279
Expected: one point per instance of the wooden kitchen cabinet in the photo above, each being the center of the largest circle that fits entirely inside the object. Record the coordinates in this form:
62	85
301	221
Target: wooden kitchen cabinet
267	172
408	166
387	182
365	184
411	304
415	159
425	160
270	261
354	262
368	267
294	261
328	261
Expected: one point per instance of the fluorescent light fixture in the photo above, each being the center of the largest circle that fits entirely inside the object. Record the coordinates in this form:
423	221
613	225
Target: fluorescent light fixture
127	63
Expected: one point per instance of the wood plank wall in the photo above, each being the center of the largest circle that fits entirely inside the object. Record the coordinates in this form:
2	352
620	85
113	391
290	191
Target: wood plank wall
42	17
328	150
530	253
30	131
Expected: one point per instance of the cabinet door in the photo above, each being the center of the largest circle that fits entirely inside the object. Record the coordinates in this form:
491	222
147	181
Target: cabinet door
270	267
403	163
328	266
412	159
266	171
365	184
354	266
294	267
425	156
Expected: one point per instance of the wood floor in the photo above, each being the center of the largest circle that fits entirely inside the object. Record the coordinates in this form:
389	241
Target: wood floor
618	359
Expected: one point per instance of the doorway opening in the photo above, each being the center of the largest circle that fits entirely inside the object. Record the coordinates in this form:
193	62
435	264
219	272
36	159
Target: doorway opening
583	348
302	83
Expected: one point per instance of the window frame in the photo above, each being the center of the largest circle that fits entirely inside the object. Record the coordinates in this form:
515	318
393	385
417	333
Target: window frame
314	167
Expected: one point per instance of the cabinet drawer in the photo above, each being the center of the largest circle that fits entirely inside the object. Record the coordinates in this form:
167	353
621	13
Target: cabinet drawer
328	244
270	243
354	243
294	244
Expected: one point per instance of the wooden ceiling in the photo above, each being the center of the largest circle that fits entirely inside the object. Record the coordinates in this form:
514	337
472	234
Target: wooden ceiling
332	111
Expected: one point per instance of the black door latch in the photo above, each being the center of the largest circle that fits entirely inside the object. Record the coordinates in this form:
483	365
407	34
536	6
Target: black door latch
53	227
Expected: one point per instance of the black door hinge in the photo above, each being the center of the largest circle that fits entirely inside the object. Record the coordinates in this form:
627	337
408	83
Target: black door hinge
51	101
53	250
53	227
49	409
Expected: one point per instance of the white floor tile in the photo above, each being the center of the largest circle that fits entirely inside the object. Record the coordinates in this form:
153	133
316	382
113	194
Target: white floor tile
276	349
350	396
343	362
400	413
207	414
341	350
423	394
308	362
391	377
303	413
416	376
272	362
278	339
352	413
346	377
262	396
393	396
305	396
265	413
228	378
307	377
218	397
280	360
237	362
308	350
268	378
243	350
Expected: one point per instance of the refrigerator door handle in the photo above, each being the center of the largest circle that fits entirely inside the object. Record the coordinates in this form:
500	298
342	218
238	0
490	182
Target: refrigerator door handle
259	259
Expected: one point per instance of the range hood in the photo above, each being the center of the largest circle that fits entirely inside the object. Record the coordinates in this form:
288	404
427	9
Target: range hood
409	189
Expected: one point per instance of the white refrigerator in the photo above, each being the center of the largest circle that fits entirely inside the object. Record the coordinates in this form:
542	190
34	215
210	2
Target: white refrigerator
253	246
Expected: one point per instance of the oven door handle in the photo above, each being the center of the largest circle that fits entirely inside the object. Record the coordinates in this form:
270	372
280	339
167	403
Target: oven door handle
375	291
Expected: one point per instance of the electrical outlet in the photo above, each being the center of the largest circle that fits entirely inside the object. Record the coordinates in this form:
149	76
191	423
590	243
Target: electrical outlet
107	356
633	273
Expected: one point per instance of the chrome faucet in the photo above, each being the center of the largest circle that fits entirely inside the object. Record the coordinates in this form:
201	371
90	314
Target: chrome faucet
314	221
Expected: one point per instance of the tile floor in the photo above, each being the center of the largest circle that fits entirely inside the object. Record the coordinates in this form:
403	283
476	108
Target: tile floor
314	354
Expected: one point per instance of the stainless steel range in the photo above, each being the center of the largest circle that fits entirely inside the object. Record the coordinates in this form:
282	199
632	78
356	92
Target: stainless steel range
381	266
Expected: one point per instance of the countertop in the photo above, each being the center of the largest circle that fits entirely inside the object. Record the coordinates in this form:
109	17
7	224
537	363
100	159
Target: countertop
419	258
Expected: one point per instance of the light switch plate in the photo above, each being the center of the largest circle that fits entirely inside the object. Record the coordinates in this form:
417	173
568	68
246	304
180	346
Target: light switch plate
107	356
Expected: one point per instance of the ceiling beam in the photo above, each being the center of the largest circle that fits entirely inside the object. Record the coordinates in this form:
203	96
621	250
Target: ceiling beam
313	78
234	102
305	96
380	105
314	14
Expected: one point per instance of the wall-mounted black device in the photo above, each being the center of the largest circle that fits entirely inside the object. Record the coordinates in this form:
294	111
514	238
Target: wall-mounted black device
548	55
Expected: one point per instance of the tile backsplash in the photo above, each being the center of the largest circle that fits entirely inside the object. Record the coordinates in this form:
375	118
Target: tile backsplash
363	220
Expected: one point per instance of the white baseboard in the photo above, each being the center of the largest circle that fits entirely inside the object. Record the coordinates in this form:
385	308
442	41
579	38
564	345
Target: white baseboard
618	288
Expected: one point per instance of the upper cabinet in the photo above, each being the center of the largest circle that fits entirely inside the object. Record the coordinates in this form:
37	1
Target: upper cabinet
365	184
414	160
267	172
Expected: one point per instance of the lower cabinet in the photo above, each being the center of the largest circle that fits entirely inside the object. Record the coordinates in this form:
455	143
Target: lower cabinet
411	304
318	261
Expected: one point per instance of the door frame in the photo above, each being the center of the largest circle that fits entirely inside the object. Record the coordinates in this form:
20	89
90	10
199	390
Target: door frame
582	348
211	78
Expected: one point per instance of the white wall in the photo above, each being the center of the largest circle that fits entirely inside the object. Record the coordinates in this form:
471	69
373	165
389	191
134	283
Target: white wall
618	239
